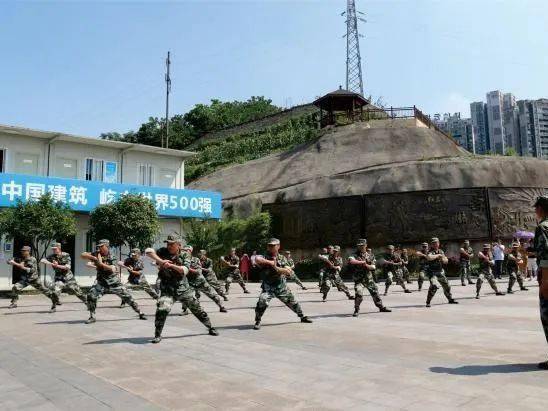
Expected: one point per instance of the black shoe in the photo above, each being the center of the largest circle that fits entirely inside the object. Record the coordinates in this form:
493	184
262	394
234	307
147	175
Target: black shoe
12	305
509	292
543	365
52	309
385	310
351	297
524	289
223	310
385	293
410	282
183	313
471	282
213	331
305	319
123	305
59	303
427	305
407	291
464	285
91	320
257	325
303	287
453	302
356	313
156	340
225	298
247	292
477	297
142	316
324	299
499	293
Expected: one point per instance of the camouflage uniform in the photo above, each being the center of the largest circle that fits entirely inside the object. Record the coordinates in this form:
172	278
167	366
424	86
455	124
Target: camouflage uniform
64	280
233	274
540	245
465	273
393	272
293	275
30	276
174	286
138	281
197	281
332	277
363	280
321	273
514	272
274	285
423	263
405	260
211	277
108	283
486	273
436	276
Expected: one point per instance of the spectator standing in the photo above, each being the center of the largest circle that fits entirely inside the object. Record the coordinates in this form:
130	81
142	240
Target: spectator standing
245	266
498	254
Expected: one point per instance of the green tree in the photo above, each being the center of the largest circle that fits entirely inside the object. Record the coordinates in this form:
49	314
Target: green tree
511	151
38	223
131	220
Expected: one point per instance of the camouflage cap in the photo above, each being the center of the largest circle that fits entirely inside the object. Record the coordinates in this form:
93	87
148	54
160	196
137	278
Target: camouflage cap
542	201
273	241
135	251
25	248
424	244
434	240
203	252
55	245
486	246
188	247
336	248
329	246
466	241
515	245
172	238
390	247
287	252
361	241
103	242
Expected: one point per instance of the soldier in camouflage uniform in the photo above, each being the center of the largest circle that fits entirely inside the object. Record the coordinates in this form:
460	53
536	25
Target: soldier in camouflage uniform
485	271
231	263
274	268
435	260
404	256
423	263
540	245
514	260
332	269
324	255
293	275
107	282
173	266
209	274
63	279
197	281
136	279
29	276
392	267
466	253
362	265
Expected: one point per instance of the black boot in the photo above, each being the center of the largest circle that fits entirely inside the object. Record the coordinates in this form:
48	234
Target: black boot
385	310
452	301
305	319
213	331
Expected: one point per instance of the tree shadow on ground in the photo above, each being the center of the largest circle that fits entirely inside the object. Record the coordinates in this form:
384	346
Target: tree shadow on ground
474	370
138	340
250	325
30	312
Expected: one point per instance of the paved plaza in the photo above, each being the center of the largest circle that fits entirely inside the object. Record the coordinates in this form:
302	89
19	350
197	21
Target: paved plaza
475	355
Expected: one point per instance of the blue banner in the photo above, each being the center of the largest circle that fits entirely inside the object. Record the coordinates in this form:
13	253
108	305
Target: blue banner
82	195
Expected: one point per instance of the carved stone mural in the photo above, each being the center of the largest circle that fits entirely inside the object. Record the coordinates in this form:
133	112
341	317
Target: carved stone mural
511	210
312	224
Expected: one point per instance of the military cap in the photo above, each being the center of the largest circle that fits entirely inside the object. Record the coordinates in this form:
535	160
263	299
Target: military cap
103	242
135	251
56	245
287	252
25	248
203	252
336	248
273	241
329	246
390	247
466	241
485	246
542	201
189	248
434	240
515	245
424	244
172	238
361	241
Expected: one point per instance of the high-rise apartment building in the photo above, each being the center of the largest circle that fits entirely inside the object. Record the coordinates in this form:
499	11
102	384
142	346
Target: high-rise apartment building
478	114
510	115
495	122
460	129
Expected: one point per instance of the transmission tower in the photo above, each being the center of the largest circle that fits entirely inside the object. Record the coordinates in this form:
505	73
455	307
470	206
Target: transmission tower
354	81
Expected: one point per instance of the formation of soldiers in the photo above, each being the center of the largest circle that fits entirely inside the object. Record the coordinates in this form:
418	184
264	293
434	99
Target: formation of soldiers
183	277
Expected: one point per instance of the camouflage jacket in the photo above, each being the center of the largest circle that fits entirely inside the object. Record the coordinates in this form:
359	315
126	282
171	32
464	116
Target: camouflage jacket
30	271
134	265
194	264
172	282
435	266
207	266
469	250
232	260
512	263
393	258
110	277
336	261
268	274
61	259
540	243
361	273
291	263
423	262
485	264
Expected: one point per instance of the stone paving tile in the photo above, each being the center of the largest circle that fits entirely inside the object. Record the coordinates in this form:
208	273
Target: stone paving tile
477	355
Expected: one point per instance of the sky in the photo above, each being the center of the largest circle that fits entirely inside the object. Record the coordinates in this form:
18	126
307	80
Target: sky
91	67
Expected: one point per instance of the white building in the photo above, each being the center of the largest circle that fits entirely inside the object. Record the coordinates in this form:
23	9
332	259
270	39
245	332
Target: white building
39	159
495	122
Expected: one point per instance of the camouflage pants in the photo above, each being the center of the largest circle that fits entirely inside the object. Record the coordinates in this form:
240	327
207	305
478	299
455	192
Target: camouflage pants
333	279
514	275
297	280
391	276
187	299
543	304
321	274
234	275
98	290
68	286
406	274
369	285
436	279
465	272
144	285
420	279
282	293
199	284
34	282
214	282
486	275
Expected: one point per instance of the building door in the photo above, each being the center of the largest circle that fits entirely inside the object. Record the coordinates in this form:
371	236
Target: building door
69	246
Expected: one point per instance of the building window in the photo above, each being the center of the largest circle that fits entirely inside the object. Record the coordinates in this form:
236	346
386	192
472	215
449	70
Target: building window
101	170
146	175
90	245
2	160
166	178
26	163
